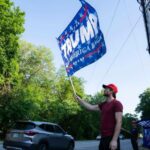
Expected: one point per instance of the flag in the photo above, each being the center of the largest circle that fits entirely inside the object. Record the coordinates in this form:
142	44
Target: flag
146	132
82	42
144	123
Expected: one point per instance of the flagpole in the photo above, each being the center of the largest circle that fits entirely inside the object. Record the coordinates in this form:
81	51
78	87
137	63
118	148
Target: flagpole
72	85
74	91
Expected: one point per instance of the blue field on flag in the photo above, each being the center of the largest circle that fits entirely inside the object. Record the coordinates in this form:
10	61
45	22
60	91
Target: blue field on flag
82	42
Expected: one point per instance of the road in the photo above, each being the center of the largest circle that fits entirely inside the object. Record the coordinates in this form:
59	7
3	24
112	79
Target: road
93	145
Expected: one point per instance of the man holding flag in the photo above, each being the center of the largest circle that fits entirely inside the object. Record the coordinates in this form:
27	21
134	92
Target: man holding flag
111	117
82	43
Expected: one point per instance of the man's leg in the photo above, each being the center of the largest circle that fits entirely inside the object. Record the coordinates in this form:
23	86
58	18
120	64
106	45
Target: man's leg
104	143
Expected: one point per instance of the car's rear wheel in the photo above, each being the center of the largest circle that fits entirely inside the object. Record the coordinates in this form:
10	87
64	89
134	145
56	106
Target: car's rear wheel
71	146
43	146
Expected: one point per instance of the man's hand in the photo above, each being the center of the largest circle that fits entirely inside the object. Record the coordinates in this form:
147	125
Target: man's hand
77	98
85	104
113	145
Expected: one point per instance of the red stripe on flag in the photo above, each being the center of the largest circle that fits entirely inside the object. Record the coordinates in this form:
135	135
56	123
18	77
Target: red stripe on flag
93	52
70	66
85	14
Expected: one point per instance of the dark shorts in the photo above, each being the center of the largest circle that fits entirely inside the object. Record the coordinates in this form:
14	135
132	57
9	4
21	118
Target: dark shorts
104	143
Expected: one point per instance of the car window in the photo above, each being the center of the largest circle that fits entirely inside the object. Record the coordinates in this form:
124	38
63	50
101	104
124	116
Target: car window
59	130
24	125
42	126
47	127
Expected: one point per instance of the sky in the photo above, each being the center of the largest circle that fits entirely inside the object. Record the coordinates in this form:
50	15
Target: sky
126	63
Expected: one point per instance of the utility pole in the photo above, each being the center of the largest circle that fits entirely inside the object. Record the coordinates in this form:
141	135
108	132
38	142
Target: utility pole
145	5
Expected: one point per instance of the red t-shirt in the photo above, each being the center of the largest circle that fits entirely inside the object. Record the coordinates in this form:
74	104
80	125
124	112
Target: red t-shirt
108	110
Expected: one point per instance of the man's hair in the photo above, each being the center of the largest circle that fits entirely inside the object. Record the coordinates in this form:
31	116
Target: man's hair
114	95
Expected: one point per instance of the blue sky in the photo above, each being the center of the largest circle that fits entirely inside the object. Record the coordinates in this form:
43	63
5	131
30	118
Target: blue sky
126	63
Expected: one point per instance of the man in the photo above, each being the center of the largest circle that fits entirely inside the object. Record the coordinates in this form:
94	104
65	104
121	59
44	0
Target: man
111	117
134	135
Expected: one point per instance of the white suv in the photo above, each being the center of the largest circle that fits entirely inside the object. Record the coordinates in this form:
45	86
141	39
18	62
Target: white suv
34	135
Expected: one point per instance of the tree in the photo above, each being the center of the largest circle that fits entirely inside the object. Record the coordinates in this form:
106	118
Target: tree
64	104
21	104
32	94
36	64
38	73
11	26
144	105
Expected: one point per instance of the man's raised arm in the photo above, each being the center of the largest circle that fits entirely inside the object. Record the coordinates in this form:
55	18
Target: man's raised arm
87	105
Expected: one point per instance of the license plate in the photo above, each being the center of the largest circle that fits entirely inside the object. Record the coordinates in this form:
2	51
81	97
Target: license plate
15	135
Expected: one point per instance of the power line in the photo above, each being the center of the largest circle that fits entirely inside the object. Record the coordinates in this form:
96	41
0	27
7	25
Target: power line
108	30
119	51
134	38
112	19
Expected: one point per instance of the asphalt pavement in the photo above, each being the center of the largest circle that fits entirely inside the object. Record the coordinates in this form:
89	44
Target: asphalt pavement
125	144
93	145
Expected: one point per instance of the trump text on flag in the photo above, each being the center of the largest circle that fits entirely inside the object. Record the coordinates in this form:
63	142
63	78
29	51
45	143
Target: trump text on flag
82	42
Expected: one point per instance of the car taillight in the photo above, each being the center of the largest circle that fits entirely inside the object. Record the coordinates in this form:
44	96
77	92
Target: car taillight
30	133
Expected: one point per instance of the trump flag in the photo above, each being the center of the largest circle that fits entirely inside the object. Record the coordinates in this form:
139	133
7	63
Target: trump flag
82	42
